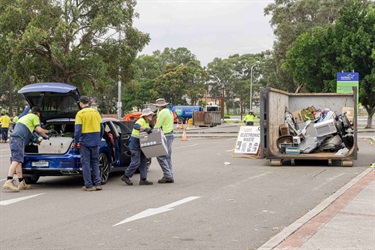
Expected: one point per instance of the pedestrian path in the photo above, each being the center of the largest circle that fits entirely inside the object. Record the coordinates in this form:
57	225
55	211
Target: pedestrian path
345	220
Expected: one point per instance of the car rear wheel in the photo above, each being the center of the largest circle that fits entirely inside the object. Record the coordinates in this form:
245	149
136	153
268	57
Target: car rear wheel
31	179
104	167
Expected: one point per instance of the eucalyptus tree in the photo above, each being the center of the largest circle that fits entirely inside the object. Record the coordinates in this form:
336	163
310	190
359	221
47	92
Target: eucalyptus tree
347	45
231	77
220	77
70	41
180	56
195	82
177	83
290	18
141	88
174	74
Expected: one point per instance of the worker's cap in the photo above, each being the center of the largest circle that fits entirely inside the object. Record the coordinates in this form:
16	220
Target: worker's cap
147	112
84	99
161	102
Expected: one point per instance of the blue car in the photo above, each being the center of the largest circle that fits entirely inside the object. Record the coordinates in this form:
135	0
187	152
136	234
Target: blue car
56	156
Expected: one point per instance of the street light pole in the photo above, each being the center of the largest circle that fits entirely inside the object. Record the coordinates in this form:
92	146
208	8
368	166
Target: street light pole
251	86
119	103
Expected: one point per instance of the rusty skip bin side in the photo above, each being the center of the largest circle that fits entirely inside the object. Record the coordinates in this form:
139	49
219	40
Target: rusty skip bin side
274	102
206	118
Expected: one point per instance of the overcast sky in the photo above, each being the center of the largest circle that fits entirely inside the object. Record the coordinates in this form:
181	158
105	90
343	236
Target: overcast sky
207	28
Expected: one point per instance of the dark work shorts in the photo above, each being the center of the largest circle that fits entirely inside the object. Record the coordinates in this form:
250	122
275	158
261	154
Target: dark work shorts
17	149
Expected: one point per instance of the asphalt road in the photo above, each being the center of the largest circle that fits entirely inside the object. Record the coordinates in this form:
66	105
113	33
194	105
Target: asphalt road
216	202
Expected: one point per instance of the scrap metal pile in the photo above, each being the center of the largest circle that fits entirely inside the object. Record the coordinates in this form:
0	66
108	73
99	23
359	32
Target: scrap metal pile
314	130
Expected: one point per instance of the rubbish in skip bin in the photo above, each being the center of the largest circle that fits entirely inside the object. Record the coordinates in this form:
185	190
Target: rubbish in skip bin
325	127
153	144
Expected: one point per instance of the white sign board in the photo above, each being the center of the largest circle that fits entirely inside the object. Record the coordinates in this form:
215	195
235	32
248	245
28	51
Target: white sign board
248	140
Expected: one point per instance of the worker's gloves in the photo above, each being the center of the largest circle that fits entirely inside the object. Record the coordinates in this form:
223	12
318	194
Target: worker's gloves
148	130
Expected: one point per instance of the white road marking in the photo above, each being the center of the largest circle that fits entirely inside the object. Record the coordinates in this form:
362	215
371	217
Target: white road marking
153	211
187	146
3	179
8	202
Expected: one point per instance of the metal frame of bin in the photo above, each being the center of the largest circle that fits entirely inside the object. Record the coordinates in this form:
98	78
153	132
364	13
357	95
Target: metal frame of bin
273	103
206	118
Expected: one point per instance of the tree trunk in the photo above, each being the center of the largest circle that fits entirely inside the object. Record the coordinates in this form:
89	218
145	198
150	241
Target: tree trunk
10	88
369	120
370	113
299	88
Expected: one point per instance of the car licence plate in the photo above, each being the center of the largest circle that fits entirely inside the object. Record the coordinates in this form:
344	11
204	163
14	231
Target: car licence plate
40	164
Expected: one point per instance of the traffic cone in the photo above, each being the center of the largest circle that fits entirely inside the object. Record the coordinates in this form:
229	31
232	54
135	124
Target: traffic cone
184	137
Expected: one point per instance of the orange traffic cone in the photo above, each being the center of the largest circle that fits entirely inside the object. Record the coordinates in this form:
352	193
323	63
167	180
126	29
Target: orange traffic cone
184	137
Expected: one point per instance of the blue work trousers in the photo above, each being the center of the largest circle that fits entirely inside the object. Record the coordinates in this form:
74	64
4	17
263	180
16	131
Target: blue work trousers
90	166
138	160
165	161
4	134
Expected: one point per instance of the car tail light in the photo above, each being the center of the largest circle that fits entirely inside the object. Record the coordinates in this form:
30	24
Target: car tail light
78	145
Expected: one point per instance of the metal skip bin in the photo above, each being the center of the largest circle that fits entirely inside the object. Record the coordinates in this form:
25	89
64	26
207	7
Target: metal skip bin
273	106
206	118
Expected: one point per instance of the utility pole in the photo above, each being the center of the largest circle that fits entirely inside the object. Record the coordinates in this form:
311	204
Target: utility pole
119	103
222	104
251	87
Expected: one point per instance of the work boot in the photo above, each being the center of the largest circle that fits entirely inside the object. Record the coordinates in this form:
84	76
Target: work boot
88	189
126	180
98	188
8	185
166	180
23	186
145	182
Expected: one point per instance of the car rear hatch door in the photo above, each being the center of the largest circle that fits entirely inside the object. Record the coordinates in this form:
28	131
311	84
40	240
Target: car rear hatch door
56	100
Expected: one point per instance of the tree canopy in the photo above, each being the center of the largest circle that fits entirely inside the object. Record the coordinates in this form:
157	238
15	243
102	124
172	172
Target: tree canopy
174	74
69	41
347	46
291	18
